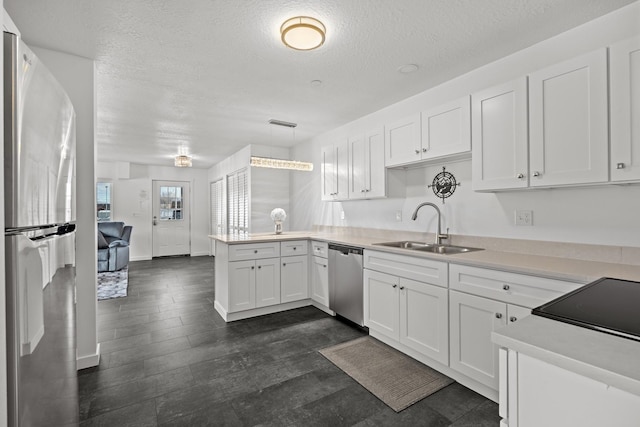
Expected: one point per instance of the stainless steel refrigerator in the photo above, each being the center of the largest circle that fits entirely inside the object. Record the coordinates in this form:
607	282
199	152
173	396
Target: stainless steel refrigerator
39	200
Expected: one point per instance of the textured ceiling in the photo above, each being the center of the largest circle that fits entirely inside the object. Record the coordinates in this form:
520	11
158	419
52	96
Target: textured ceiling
208	74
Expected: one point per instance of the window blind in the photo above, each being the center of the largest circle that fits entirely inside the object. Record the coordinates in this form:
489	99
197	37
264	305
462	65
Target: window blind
238	204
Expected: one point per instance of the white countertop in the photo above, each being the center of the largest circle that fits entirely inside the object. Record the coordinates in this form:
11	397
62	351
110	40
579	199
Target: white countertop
543	266
612	360
603	357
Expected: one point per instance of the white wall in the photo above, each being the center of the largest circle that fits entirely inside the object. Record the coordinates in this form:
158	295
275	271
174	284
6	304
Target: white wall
132	198
268	189
597	215
76	75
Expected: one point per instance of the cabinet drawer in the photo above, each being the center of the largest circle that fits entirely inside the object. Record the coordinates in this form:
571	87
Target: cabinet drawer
254	251
520	289
294	247
320	249
420	269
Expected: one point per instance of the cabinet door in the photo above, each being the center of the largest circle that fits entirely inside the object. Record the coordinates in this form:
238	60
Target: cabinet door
403	141
357	167
424	319
472	319
376	174
342	168
320	281
267	282
329	172
500	159
624	60
381	305
334	171
446	129
242	285
569	124
294	279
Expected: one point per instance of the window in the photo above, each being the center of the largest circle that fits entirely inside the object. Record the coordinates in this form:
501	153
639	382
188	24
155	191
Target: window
171	205
237	203
104	193
217	207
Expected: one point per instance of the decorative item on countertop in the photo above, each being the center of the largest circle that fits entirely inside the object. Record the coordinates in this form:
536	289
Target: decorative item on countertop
444	184
278	215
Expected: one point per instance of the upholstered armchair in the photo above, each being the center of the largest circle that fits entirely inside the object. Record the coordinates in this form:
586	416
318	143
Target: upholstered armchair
113	246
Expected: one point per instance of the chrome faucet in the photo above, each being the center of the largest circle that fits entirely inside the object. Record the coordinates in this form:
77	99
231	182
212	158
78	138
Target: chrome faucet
439	235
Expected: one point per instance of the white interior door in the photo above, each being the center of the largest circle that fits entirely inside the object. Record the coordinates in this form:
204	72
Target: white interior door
171	218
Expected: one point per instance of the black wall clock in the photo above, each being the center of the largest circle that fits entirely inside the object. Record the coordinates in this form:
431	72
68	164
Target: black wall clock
444	184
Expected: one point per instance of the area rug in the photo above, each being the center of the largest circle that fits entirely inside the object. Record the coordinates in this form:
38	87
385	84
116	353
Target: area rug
113	284
396	379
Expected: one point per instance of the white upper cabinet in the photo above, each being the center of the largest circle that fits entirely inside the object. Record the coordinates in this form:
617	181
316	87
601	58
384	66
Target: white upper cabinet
403	141
624	60
569	123
367	175
439	132
334	171
446	129
500	159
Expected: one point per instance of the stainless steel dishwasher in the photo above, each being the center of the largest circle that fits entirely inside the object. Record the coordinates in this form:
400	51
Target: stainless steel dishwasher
345	282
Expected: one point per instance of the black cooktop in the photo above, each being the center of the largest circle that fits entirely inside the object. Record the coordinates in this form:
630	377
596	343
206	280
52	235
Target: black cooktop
607	305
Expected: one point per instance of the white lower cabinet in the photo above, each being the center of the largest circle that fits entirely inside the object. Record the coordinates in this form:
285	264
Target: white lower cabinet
410	312
242	285
254	284
267	282
536	393
472	319
482	300
320	280
424	323
294	273
381	306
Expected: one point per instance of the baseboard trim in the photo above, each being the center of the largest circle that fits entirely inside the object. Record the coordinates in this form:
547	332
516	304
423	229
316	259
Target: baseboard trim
88	361
205	253
246	314
140	258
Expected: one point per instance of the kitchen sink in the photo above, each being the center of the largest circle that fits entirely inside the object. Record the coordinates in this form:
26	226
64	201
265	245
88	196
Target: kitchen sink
404	245
429	247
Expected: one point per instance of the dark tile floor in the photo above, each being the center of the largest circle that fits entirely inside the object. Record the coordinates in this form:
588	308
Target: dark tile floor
169	359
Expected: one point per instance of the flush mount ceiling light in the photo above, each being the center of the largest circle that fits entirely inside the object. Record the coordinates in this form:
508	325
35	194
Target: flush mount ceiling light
182	161
268	162
303	33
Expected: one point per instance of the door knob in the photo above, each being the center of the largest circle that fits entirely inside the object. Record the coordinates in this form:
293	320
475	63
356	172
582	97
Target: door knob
424	150
394	286
498	315
417	151
536	173
155	220
513	319
520	176
505	287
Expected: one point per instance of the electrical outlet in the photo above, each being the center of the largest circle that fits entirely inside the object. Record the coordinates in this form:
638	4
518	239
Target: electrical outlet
341	214
399	216
524	218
